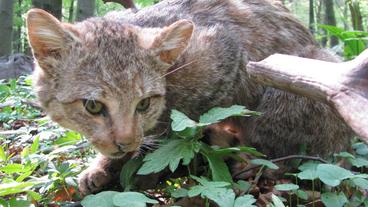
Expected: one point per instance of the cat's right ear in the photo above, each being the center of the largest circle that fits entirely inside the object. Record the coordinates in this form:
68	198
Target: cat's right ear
46	34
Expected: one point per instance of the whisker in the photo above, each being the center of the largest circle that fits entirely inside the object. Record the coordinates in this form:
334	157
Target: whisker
172	71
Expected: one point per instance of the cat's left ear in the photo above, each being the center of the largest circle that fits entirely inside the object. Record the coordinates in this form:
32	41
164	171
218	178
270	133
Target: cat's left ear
46	34
170	42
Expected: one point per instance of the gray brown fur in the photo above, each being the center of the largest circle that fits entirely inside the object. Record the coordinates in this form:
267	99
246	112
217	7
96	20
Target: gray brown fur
107	62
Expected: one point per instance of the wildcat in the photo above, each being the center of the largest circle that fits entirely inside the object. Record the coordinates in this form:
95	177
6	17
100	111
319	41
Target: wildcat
116	78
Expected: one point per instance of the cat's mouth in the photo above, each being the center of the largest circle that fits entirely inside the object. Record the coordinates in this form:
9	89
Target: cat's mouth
118	154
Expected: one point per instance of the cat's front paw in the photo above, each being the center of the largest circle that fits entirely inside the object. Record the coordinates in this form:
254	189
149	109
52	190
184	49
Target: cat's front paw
93	180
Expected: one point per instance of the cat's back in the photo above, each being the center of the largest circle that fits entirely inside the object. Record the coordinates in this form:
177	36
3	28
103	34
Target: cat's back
263	27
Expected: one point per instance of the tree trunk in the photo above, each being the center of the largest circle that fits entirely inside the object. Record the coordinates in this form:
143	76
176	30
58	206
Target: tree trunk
356	15
85	9
71	11
311	16
54	7
344	86
17	32
330	19
6	26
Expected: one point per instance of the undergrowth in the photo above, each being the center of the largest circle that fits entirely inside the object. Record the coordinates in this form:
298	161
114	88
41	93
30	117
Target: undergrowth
39	164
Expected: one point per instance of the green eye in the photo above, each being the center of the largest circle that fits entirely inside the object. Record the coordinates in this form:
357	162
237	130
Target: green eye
94	107
143	105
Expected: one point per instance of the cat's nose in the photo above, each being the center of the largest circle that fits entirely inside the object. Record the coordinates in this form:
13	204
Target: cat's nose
121	147
124	146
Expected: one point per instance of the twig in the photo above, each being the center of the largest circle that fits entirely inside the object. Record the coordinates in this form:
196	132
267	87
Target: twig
289	157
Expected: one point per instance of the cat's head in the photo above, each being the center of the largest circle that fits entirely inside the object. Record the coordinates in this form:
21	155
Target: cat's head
104	78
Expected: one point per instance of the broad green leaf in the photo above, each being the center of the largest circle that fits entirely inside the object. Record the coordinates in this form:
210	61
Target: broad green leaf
180	121
34	195
310	165
103	199
301	194
266	163
359	162
333	199
132	199
215	191
243	185
127	172
179	193
308	174
331	174
218	167
170	155
217	114
245	201
360	148
70	138
14	168
344	155
222	196
14	202
276	201
361	183
286	187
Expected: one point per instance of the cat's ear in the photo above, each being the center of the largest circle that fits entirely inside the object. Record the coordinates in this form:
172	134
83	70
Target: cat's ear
171	41
46	34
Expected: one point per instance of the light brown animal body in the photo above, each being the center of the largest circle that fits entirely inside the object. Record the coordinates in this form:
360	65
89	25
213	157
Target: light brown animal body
114	78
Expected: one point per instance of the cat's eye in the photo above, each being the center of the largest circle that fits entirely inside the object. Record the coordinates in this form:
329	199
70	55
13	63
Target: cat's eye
143	105
93	107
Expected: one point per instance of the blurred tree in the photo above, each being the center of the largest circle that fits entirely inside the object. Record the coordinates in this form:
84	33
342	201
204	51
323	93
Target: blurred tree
311	16
356	15
329	19
85	9
54	7
6	26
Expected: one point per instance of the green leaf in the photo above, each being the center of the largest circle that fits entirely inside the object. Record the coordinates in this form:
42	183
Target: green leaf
245	201
243	185
286	187
217	114
359	162
345	155
219	169
230	150
34	195
310	165
276	201
214	191
333	199
180	121
170	155
360	148
15	187
301	194
331	174
266	163
35	145
308	175
361	183
14	168
179	193
132	199
127	172
103	199
3	156
70	138
14	202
